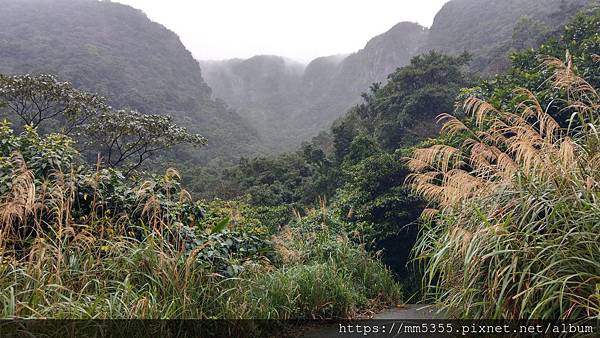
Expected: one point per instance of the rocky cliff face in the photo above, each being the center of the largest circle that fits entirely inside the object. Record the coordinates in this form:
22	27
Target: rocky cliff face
381	56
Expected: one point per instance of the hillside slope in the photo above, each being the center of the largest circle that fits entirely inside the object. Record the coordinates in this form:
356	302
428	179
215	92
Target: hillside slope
258	87
116	51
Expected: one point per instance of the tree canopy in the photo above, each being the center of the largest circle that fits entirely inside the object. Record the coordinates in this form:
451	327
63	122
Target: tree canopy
403	112
127	138
122	138
41	101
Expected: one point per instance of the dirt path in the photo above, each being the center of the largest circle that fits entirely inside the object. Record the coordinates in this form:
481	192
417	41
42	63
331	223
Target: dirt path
406	312
409	311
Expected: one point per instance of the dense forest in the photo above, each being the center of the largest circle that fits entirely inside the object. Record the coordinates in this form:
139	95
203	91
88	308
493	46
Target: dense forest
465	178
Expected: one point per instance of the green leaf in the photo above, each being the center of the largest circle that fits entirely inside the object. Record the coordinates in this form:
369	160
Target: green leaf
219	227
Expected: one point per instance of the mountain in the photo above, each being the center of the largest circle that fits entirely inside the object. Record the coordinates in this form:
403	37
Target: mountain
381	56
258	87
488	28
290	105
116	51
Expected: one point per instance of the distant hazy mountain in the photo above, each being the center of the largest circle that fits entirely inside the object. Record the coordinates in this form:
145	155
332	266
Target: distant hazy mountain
116	51
258	87
289	105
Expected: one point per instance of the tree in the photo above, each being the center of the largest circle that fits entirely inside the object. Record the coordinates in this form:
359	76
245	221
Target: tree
46	104
324	173
127	138
528	33
580	40
373	197
402	112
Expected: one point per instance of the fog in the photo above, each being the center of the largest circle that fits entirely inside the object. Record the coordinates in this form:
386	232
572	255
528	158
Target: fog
300	30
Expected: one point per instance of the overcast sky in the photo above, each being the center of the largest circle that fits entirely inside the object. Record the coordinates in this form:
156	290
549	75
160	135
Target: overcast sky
297	29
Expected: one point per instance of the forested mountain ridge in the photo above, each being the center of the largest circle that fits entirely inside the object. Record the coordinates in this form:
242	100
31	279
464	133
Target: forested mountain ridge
290	103
57	36
489	29
117	52
257	86
298	107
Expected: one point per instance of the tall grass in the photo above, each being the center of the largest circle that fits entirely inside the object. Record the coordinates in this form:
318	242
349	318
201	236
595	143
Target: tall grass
120	278
123	278
515	232
59	259
325	275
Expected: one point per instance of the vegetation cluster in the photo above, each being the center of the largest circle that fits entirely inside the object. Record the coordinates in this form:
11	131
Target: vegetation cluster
79	242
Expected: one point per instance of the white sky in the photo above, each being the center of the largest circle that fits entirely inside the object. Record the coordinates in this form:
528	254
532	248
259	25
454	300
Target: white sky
298	29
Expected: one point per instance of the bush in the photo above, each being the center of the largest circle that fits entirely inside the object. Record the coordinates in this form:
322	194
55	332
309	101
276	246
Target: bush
335	275
46	186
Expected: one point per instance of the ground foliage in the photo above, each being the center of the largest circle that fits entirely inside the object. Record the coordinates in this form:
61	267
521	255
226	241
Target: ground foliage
83	242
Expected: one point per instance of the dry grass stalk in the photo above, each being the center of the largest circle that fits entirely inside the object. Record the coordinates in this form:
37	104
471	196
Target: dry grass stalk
18	205
529	142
